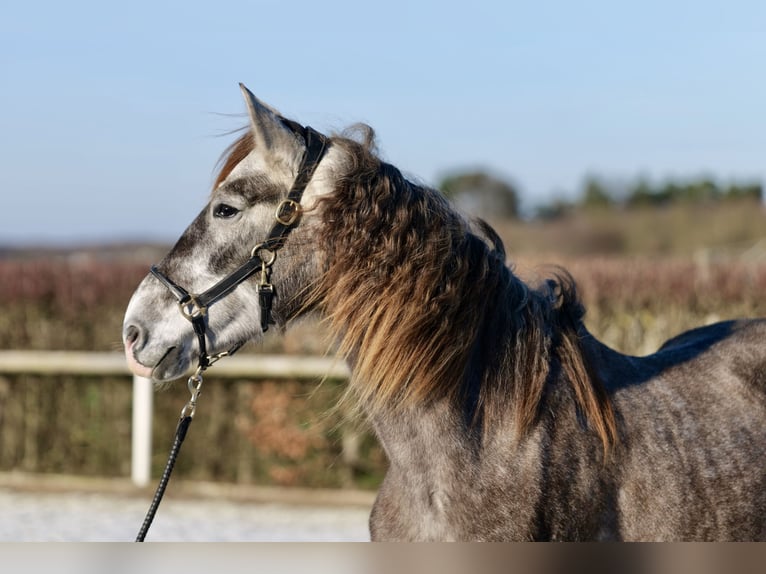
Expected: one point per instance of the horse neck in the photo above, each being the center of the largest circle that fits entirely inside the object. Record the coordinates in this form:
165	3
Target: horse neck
444	439
446	480
433	431
455	428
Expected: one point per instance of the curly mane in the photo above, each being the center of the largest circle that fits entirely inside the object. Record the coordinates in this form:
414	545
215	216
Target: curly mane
425	307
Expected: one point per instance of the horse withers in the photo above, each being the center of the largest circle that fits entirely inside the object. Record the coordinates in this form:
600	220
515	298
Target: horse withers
501	416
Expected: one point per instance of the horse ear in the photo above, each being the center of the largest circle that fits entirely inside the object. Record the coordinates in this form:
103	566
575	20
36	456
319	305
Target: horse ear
270	132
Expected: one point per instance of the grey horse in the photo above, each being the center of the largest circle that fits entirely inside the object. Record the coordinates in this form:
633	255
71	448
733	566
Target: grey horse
502	417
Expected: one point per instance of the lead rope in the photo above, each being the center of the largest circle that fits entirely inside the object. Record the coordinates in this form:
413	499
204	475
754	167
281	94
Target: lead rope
187	414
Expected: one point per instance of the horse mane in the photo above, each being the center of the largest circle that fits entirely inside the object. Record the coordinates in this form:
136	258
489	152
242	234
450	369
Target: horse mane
426	308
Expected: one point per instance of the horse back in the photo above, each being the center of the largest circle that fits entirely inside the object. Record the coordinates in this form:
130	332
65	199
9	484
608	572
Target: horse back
695	437
735	349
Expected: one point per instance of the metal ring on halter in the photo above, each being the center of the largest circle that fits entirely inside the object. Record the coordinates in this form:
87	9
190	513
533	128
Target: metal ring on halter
191	308
293	209
263	247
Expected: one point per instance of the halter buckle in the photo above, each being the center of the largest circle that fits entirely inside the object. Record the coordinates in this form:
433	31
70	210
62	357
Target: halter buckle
288	212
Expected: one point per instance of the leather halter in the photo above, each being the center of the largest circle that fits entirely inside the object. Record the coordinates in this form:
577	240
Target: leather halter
262	257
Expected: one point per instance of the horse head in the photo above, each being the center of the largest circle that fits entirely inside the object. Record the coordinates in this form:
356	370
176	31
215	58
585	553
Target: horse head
242	233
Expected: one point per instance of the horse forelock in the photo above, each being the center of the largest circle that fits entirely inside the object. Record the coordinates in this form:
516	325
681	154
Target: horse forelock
233	155
420	303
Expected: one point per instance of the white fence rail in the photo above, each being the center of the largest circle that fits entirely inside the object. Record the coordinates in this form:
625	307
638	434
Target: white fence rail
54	363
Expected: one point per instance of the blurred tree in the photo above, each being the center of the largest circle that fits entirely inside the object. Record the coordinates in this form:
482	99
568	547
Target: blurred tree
557	209
481	194
600	193
671	191
701	190
641	195
747	191
595	194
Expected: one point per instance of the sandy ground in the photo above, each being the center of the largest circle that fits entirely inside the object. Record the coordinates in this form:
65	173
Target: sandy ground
68	509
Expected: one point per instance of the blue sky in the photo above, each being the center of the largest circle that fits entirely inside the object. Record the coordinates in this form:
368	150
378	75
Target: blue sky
112	115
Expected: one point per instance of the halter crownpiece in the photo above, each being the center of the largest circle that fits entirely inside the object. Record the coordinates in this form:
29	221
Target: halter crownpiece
195	306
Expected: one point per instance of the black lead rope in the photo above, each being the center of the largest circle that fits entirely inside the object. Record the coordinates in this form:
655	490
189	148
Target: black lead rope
187	414
183	426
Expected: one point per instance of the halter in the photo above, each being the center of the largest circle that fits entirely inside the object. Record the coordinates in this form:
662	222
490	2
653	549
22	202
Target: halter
194	306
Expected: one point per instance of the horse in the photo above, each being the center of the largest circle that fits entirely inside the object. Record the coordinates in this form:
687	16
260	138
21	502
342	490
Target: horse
501	416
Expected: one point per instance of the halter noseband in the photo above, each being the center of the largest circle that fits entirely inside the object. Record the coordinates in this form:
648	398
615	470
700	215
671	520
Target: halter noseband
262	257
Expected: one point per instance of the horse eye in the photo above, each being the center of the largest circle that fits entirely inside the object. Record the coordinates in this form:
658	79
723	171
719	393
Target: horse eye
225	211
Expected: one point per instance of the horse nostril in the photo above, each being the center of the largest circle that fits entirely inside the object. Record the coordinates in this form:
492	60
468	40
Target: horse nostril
133	335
